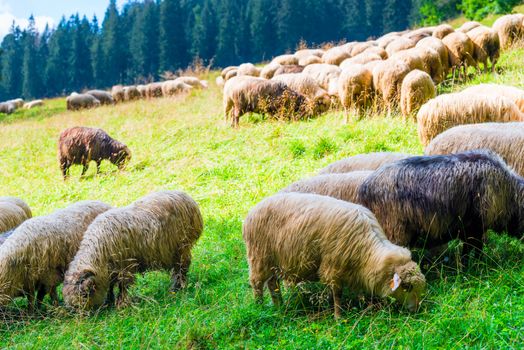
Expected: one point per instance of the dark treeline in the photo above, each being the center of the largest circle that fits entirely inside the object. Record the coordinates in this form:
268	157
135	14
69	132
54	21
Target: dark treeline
147	38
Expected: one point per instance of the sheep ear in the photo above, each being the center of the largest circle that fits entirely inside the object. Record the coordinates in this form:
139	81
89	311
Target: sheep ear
395	282
86	283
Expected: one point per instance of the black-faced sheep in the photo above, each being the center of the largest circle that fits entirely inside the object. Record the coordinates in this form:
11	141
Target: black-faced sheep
340	186
36	255
299	237
486	45
505	139
449	110
157	231
250	94
369	161
417	89
104	97
81	145
428	201
510	29
79	101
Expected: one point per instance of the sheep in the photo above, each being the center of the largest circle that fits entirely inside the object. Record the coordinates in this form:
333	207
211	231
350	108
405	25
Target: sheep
427	201
355	86
418	34
411	57
442	31
104	97
399	44
117	92
359	48
387	81
300	237
157	231
360	162
248	69
11	215
154	90
231	74
79	101
514	94
34	257
362	58
377	51
510	29
33	104
81	145
461	51
7	108
486	45
449	110
307	86
5	235
250	94
288	69
505	139
325	74
431	62
17	102
304	53
143	91
387	39
227	70
285	60
17	201
417	88
342	186
336	55
174	87
194	82
220	82
468	26
269	70
131	93
306	61
441	49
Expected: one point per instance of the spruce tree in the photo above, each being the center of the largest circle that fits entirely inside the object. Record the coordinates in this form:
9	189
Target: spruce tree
228	45
204	32
396	14
173	46
354	24
113	47
374	11
81	74
31	85
11	63
263	28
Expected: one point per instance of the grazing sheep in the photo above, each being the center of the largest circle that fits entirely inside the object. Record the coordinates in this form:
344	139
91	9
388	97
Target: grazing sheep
104	97
7	108
35	256
505	139
11	215
377	51
431	62
305	237
17	102
288	70
117	92
194	82
461	51
355	86
417	89
79	101
387	39
437	45
442	31
154	90
5	235
33	104
143	91
227	70
369	161
248	69
411	58
18	202
336	55
359	48
231	74
256	95
510	29
419	34
486	45
428	201
306	61
387	81
220	82
309	52
131	93
285	60
449	110
307	86
269	70
362	58
514	94
81	145
399	44
325	74
174	87
468	26
157	231
340	186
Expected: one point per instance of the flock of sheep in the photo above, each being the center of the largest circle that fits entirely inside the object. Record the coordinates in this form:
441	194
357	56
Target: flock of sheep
11	106
119	93
351	226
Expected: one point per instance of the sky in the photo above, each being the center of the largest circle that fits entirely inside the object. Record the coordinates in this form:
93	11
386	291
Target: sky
48	11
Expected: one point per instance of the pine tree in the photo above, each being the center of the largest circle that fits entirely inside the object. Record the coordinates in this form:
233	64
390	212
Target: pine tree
43	57
204	32
354	25
31	84
396	14
81	74
97	57
12	63
113	47
173	46
263	28
228	45
290	24
374	10
56	78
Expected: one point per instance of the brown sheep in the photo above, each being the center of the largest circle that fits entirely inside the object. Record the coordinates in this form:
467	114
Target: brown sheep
505	139
355	86
417	89
157	231
131	93
431	62
81	145
104	97
514	94
449	110
79	101
154	90
486	45
387	81
510	29
299	237
34	257
442	31
369	161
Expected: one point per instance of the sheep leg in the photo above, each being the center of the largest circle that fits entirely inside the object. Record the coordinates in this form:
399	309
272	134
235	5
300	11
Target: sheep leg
337	300
179	276
123	297
471	244
98	163
258	290
110	300
64	166
54	296
274	289
31	301
40	294
85	166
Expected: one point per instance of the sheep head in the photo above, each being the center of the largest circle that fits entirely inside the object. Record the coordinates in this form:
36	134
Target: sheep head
121	157
407	285
85	290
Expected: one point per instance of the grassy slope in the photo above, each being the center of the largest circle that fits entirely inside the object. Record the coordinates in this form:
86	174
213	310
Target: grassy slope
185	144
